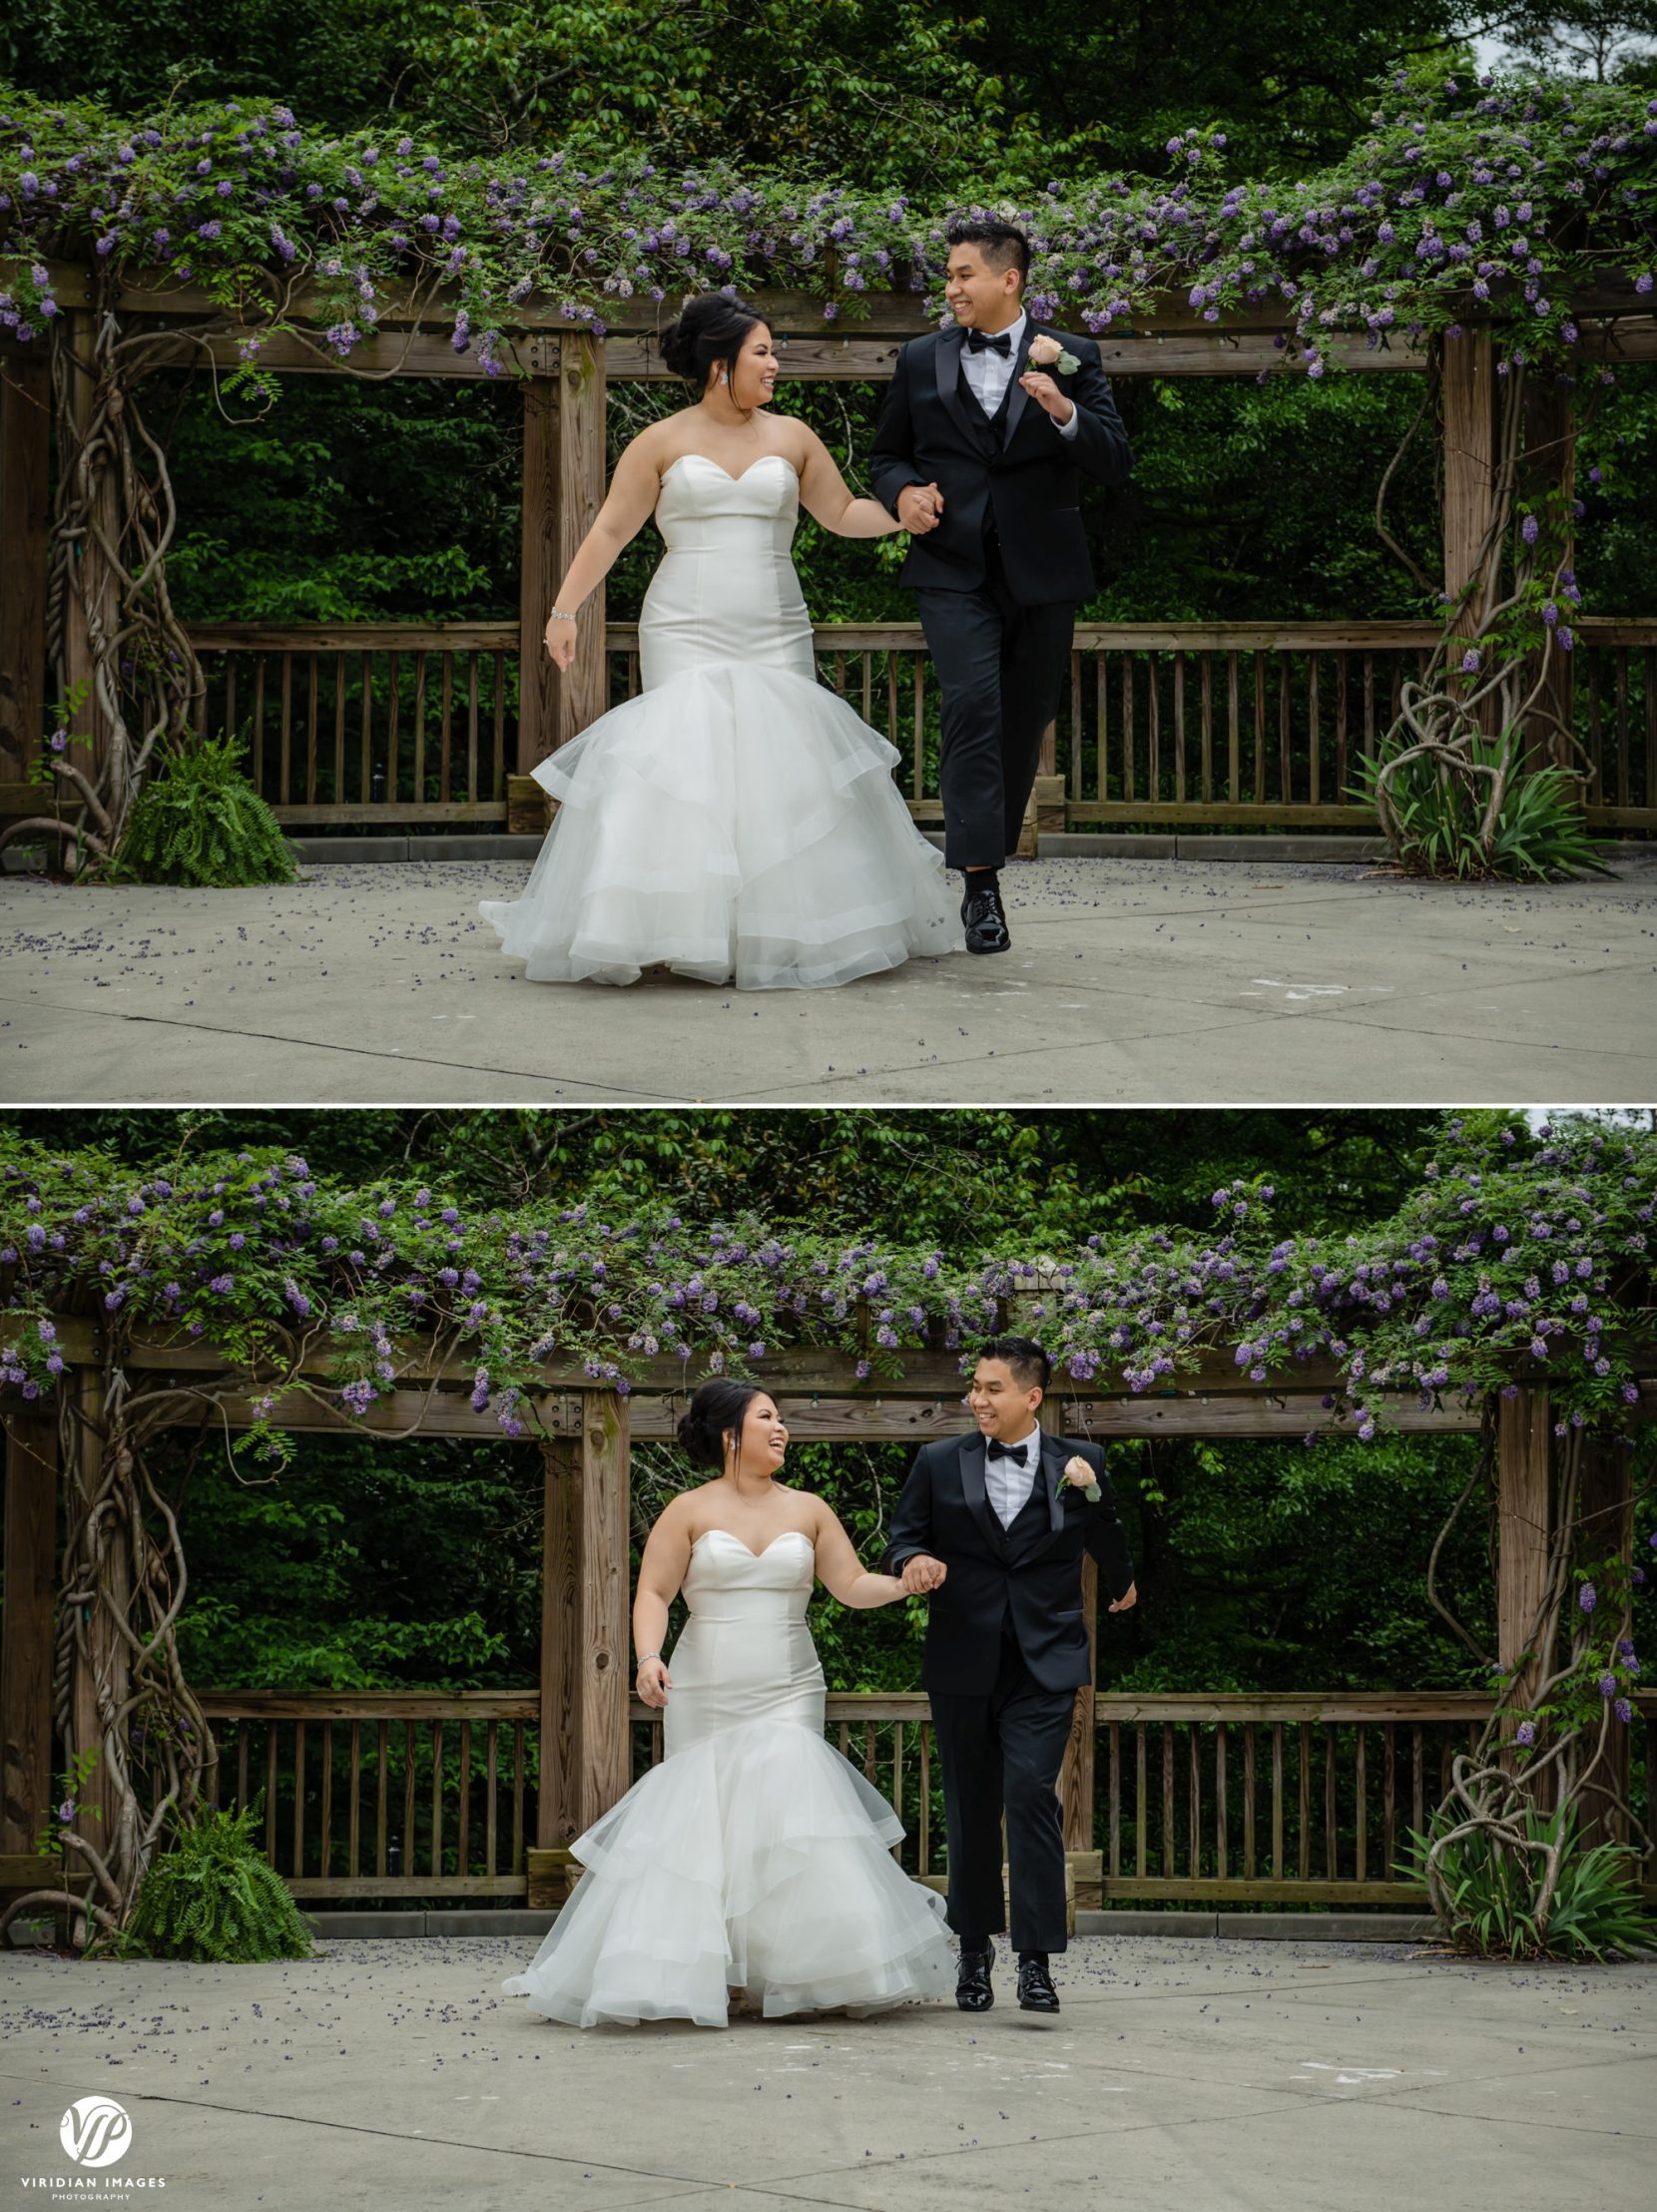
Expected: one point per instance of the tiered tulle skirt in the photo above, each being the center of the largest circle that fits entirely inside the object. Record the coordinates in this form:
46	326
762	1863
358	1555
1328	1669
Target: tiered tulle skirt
738	822
759	1859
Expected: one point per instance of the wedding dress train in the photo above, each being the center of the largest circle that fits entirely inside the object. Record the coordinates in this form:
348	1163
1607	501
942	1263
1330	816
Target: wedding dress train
736	821
754	1856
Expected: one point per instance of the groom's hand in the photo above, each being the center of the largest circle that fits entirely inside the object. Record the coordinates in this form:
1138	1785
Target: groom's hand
922	1574
918	508
1047	395
1129	1597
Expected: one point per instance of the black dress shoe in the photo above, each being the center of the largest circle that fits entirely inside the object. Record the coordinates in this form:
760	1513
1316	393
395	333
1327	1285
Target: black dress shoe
985	919
972	1991
1035	1984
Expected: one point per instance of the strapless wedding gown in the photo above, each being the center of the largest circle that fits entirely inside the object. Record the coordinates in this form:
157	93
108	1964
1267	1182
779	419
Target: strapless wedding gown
754	1856
736	821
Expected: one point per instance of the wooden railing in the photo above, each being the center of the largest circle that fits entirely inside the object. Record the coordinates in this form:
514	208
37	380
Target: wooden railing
1303	1799
1161	724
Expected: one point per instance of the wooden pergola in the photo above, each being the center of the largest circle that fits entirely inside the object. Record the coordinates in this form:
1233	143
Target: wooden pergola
583	1702
563	477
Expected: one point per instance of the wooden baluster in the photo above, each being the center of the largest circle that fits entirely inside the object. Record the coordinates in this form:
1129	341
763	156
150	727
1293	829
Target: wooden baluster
338	728
408	1800
1390	1798
365	737
489	1805
242	1733
326	1824
918	761
1139	1804
1193	1735
1179	728
1248	1801
1076	738
655	1741
1208	729
840	674
419	728
1331	1852
1623	747
1114	1736
1651	725
1277	1800
472	791
1127	726
259	725
1369	706
1397	666
229	696
1153	778
462	1852
845	1739
926	1796
868	687
519	1731
436	1797
893	660
1221	1854
1259	791
1340	728
310	736
1417	1786
869	1751
298	1799
1312	730
1101	758
1233	731
380	1801
445	790
1286	781
1596	735
392	736
270	1791
897	1783
498	786
1305	1800
1363	1786
287	743
1167	1800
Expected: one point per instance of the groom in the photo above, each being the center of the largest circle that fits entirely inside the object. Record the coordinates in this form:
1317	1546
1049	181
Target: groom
979	453
1006	1651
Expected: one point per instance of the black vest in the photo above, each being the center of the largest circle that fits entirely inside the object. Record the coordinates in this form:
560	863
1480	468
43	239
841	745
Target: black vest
990	431
1031	1516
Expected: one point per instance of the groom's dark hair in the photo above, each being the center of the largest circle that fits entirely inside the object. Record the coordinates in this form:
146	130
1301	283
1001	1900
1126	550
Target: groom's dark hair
1030	1365
1003	245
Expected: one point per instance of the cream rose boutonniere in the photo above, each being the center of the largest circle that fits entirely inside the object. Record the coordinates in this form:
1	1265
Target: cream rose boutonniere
1046	352
1078	1475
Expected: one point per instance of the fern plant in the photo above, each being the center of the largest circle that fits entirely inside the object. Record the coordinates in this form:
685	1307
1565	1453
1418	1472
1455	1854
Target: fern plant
199	821
216	1896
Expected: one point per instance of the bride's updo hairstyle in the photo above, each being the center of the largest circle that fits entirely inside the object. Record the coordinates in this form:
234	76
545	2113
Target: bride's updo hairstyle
710	328
715	1406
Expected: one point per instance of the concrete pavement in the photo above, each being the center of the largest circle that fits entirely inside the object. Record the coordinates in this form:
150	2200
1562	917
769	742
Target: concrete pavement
1202	2076
1130	980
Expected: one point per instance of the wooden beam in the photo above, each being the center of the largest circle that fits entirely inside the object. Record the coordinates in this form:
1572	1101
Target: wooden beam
26	1625
25	446
1524	1492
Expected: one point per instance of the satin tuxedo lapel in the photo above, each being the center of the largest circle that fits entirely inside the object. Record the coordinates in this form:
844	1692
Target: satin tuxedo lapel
977	1496
1017	398
946	360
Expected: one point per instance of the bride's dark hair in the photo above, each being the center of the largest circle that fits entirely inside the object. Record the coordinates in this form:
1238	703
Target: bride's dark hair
715	1406
712	327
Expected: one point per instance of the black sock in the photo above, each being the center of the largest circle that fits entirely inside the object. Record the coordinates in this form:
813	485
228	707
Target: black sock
982	879
1040	1956
974	1943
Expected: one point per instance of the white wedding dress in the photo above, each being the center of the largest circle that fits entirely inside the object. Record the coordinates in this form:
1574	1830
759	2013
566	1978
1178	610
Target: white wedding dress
754	1856
736	821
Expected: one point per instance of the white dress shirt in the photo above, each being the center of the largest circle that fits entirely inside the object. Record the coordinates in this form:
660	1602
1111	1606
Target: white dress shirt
989	373
1007	1484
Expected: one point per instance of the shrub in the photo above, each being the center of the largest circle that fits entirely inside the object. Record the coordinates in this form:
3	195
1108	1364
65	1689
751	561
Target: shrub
199	821
216	1896
1493	1892
1438	814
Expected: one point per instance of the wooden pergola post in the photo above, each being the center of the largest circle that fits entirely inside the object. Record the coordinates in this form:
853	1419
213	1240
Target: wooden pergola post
106	1662
584	1677
1607	1529
1469	434
1076	1774
563	489
91	719
26	1625
25	448
1550	465
1523	1523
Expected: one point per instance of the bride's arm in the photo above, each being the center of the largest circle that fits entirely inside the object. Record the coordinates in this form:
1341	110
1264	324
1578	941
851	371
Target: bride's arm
628	506
826	497
843	1573
667	1554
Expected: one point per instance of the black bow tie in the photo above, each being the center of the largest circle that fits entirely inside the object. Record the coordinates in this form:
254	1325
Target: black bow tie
979	341
999	1450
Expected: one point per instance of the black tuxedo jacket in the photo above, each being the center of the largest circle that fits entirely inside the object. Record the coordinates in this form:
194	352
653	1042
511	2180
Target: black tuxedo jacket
1031	486
1031	1573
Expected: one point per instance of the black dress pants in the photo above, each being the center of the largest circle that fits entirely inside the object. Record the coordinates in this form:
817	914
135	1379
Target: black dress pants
1002	1754
1000	669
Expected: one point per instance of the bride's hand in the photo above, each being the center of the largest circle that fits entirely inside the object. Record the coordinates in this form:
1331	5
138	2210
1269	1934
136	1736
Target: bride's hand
653	1682
561	642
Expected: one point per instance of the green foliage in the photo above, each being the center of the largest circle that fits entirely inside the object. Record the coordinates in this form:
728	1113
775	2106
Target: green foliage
1494	1891
1436	825
199	821
215	1896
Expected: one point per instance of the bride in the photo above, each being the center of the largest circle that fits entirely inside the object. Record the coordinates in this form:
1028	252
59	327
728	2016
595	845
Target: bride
736	821
754	1862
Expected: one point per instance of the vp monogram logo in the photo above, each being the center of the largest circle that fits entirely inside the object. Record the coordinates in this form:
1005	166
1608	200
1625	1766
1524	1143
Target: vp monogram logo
95	2131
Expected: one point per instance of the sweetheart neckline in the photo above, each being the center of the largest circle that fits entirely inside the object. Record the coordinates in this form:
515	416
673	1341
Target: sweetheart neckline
735	1539
730	480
